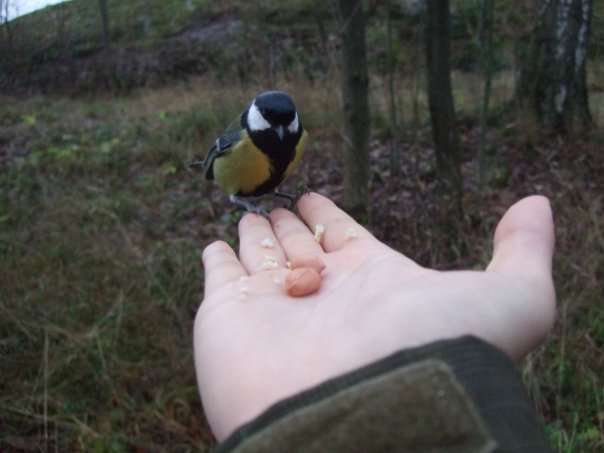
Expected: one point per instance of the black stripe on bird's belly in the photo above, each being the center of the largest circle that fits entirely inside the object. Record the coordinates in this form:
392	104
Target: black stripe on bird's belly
280	153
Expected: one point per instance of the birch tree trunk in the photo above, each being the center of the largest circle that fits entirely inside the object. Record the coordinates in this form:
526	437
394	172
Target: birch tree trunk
553	79
355	97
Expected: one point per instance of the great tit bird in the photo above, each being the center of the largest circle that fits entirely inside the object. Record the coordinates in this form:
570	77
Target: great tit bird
265	148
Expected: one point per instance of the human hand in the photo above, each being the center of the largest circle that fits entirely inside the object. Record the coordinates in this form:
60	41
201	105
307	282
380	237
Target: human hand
254	345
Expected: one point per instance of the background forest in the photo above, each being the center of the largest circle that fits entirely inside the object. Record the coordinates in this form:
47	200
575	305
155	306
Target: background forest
426	121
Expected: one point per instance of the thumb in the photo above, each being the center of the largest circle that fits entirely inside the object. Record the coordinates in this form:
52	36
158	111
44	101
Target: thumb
524	239
523	250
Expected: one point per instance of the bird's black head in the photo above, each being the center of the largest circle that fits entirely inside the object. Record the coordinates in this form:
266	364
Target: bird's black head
273	109
276	107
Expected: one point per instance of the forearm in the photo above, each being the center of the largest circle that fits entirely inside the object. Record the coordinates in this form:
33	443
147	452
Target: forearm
460	394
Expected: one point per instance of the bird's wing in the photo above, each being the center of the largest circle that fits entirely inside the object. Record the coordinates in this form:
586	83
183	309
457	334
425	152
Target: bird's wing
235	125
221	146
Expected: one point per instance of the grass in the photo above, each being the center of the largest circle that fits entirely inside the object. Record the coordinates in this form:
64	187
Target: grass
99	289
101	230
565	374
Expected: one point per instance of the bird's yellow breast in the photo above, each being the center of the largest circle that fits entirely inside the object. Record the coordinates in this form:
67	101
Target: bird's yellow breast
300	149
243	168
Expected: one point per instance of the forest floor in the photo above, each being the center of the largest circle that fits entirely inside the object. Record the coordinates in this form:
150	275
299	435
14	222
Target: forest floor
102	224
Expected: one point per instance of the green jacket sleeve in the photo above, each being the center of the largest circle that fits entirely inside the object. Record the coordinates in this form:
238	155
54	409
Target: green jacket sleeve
451	395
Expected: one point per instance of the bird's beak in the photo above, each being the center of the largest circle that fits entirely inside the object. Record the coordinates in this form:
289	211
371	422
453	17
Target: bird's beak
280	131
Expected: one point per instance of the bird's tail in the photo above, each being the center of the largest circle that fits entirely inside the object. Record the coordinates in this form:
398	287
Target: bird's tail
198	164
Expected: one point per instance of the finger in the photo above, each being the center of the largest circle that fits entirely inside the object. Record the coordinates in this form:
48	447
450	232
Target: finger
339	228
293	235
259	249
524	239
523	250
221	266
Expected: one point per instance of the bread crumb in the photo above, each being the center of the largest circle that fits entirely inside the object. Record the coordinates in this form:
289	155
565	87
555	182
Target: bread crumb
268	243
319	231
288	264
243	289
350	234
270	262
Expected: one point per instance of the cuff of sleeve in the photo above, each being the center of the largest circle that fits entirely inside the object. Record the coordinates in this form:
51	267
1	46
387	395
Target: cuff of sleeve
450	395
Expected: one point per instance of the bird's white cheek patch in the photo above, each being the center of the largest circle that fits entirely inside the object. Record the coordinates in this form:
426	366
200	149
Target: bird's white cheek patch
255	120
294	125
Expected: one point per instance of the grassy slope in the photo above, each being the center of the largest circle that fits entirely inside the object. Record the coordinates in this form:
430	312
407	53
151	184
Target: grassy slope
102	223
137	20
79	22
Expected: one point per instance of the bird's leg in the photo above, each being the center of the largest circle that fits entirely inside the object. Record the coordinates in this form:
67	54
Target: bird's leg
292	197
249	207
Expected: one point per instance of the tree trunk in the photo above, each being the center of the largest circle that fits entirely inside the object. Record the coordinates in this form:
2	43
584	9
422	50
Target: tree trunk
355	86
485	34
395	150
104	9
553	77
5	26
440	99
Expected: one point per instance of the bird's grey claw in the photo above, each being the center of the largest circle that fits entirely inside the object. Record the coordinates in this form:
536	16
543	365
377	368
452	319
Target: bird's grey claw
249	207
260	211
293	197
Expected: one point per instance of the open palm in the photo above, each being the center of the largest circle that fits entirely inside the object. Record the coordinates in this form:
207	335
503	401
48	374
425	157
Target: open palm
254	345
